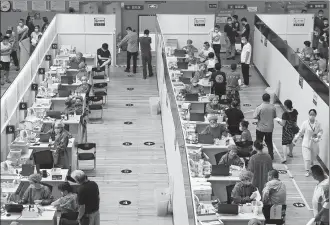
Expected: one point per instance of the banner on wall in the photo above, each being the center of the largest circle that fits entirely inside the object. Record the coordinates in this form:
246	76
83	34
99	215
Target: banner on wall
298	22
221	16
99	22
199	22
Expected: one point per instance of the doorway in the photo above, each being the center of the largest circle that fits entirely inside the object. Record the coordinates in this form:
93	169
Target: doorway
149	22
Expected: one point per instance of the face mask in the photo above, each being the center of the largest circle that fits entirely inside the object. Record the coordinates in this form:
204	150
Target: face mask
321	15
230	22
84	81
213	125
241	128
312	118
243	42
36	30
20	24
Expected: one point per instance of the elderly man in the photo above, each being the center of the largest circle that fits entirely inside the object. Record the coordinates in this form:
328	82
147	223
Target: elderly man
61	156
274	192
215	129
132	49
88	199
231	157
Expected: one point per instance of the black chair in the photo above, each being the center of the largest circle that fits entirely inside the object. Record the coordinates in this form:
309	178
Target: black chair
95	113
69	218
229	190
97	73
266	211
218	156
47	185
44	159
86	151
100	87
103	94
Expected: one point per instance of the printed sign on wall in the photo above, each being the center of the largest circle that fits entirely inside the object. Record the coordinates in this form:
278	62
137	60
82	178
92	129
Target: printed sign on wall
199	22
99	22
298	22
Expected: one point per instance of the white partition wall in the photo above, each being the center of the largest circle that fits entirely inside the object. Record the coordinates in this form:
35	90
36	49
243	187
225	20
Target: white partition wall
293	28
184	27
87	32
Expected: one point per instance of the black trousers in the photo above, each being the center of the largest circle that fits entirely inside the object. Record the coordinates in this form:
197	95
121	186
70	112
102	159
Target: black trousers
146	62
268	139
217	49
129	56
13	55
245	72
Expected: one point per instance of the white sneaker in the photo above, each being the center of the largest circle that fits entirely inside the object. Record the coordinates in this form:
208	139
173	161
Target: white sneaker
244	86
307	174
107	79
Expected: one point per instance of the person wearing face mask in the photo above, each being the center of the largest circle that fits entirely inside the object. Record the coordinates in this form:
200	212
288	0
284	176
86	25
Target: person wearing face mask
318	21
231	157
22	30
84	87
244	191
245	143
311	132
323	47
30	23
35	37
45	25
230	38
67	204
61	157
245	61
202	71
213	107
232	89
12	40
194	87
204	53
36	192
260	164
274	192
316	37
5	60
215	129
234	116
189	48
78	59
245	30
215	36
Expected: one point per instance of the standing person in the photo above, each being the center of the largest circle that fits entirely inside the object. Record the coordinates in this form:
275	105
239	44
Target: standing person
88	199
236	23
288	122
216	41
61	156
22	31
12	40
318	21
30	24
320	198
274	192
35	38
218	81
232	90
245	30
104	59
230	37
189	48
45	25
260	164
234	117
311	131
245	61
132	49
5	60
145	44
265	114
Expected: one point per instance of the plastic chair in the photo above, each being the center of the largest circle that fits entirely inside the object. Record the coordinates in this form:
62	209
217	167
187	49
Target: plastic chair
95	113
100	87
266	211
218	156
86	152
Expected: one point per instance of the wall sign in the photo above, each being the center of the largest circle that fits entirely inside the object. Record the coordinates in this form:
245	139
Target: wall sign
22	106
128	123
282	172
154	2
149	143
301	81
252	9
129	105
34	87
99	22
130	89
316	6
315	98
48	58
10	129
41	71
153	6
213	6
237	6
298	22
199	22
54	46
127	143
134	7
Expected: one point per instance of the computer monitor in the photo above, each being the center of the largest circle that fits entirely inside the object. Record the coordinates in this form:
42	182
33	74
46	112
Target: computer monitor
43	159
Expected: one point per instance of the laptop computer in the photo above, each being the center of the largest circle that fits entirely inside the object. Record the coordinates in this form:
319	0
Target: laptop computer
185	80
27	170
180	53
191	97
53	114
230	209
197	117
64	93
68	79
205	139
44	137
220	170
182	65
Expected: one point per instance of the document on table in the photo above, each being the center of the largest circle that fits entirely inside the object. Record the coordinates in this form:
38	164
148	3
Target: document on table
49	208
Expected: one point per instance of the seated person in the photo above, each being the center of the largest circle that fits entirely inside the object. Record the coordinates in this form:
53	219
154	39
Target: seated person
215	129
201	71
104	59
67	204
307	51
82	71
231	157
189	48
194	87
78	59
274	192
244	190
36	193
213	107
205	51
246	147
210	62
84	87
322	63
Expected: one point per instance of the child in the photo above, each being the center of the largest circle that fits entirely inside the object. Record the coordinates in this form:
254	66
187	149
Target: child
210	62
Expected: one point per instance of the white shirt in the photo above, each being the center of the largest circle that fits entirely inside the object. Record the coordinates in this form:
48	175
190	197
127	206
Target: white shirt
246	48
213	35
319	199
211	63
35	37
5	56
206	52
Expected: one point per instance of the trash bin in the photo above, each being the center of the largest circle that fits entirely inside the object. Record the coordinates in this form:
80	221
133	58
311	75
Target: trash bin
154	105
162	200
272	93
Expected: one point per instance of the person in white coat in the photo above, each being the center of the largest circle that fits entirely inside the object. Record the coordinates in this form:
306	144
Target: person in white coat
311	133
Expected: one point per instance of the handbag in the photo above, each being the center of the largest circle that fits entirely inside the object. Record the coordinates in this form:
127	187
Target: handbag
295	129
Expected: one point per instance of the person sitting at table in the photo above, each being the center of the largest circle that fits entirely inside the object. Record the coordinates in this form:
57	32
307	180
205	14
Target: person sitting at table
205	51
245	146
78	59
36	193
218	81
82	71
189	48
61	156
67	204
215	129
201	71
104	59
194	87
84	87
322	63
213	107
231	157
234	116
210	62
244	191
274	192
255	221
307	51
323	47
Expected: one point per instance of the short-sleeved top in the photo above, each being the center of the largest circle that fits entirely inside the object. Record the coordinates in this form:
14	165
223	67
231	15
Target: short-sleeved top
235	116
219	82
244	58
265	113
206	52
102	53
231	34
321	199
292	116
21	30
145	45
5	57
232	79
246	31
89	196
